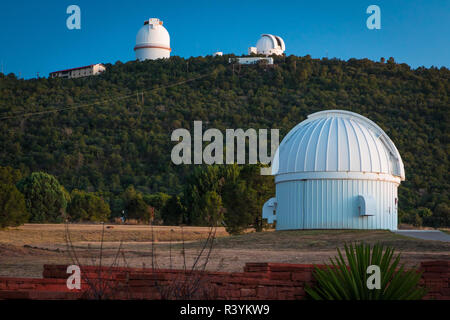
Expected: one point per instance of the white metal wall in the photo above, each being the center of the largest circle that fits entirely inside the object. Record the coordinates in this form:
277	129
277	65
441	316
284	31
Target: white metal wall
152	53
332	204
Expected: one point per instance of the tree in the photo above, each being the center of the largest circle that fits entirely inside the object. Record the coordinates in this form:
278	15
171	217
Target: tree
86	206
12	203
244	196
135	206
45	198
13	211
260	188
157	201
213	208
173	212
442	215
202	180
237	216
9	175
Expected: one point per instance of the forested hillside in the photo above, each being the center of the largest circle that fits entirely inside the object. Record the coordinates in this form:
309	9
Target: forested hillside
125	141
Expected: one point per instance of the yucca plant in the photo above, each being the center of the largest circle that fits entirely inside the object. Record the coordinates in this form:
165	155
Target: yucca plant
347	280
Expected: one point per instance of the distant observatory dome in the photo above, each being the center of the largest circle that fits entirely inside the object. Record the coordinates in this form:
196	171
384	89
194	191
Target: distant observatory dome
335	170
152	41
269	44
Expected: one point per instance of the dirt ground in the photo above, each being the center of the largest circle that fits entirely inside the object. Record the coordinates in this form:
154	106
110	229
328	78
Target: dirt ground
24	250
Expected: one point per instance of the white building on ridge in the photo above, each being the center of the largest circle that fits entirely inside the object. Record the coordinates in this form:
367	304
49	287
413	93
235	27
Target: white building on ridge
90	70
251	60
152	41
268	45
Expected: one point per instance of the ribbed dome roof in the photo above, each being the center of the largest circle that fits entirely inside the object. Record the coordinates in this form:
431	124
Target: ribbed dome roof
269	44
337	141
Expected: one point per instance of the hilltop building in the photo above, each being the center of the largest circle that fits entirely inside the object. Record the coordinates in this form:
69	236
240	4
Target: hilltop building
251	60
268	45
91	70
335	170
152	41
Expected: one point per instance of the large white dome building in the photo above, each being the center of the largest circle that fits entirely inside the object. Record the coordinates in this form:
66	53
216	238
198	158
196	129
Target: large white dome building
152	41
336	170
268	44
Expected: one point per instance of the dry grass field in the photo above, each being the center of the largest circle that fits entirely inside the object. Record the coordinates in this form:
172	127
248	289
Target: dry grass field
25	249
38	234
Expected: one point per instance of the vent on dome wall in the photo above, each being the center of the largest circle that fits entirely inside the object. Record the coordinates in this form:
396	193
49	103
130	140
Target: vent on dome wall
367	205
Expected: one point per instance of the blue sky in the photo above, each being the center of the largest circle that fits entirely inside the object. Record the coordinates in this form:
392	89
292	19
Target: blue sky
35	38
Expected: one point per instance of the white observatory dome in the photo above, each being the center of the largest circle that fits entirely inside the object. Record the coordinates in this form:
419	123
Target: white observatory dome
152	41
335	141
335	170
269	44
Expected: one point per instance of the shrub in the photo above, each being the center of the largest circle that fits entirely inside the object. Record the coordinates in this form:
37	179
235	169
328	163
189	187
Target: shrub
45	198
348	280
86	206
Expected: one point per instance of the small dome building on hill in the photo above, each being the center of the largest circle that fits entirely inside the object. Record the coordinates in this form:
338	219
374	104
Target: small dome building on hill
268	44
335	170
152	41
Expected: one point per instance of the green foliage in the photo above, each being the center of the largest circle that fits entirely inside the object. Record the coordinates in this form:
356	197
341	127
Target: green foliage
244	195
347	280
157	201
213	208
418	216
122	142
229	193
197	194
135	206
86	206
12	203
45	198
172	213
441	215
238	215
259	188
13	211
9	175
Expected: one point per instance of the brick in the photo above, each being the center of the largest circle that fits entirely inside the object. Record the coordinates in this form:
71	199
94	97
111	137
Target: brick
302	276
434	286
298	291
280	276
14	294
266	293
432	275
141	283
248	293
287	267
446	292
438	269
256	267
260	275
435	263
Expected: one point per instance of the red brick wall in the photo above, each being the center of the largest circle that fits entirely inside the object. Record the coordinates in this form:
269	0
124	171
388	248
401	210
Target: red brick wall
258	281
435	277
